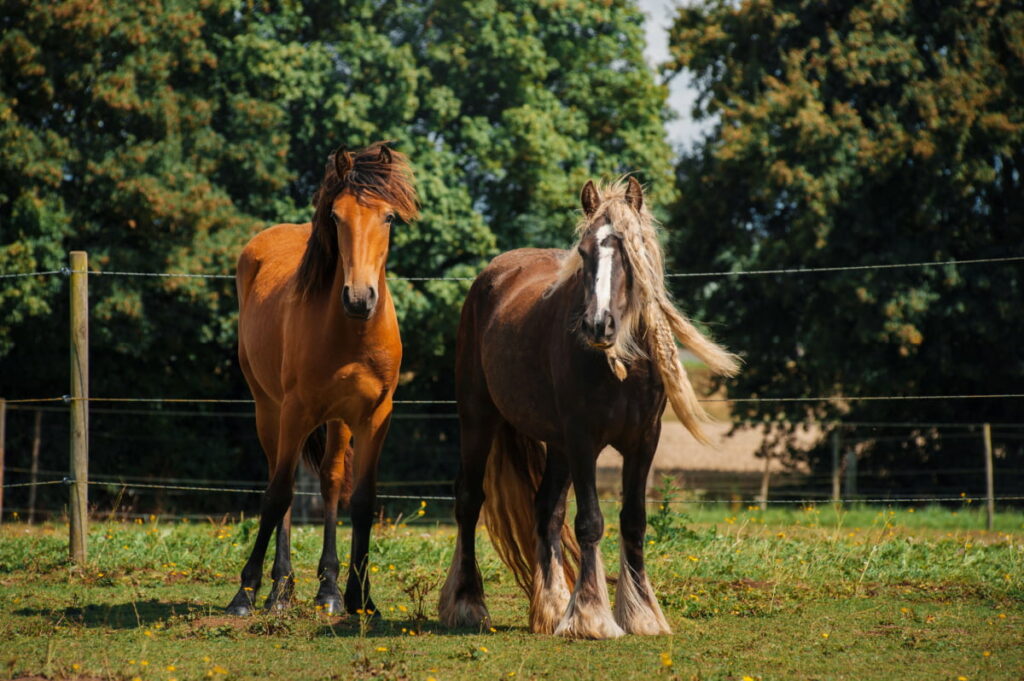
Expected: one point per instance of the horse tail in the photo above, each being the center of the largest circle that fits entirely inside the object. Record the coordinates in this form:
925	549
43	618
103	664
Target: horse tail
514	470
314	448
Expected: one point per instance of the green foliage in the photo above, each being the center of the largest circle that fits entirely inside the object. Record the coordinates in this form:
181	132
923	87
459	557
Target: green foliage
847	134
159	137
668	522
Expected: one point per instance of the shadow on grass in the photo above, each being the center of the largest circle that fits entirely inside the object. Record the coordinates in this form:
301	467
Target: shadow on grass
130	615
348	627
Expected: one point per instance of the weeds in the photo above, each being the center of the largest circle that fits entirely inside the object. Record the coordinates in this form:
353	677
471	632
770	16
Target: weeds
419	583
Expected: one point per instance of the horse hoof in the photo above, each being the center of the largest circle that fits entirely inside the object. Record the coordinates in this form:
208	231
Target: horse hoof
330	605
242	604
369	611
359	607
465	614
594	625
278	605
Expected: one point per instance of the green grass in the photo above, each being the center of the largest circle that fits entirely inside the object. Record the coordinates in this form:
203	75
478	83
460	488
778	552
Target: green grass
788	594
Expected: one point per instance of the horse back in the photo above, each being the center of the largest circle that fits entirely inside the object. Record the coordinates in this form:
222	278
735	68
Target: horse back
508	291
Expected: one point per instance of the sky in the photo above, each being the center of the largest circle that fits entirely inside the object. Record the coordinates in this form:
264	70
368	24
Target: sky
683	131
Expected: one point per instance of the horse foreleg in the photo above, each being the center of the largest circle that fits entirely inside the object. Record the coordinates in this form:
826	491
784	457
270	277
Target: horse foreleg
589	612
462	596
281	592
636	608
276	501
550	597
333	472
369	438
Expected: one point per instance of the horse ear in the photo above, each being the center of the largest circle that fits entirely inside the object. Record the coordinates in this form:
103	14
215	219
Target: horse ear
385	155
589	198
634	194
342	162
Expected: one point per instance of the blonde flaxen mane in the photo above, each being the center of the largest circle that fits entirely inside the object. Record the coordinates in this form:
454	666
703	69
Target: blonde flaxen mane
650	310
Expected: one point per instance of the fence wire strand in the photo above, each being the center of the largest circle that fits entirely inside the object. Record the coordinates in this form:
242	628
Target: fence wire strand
679	275
430	497
847	268
33	484
20	275
733	400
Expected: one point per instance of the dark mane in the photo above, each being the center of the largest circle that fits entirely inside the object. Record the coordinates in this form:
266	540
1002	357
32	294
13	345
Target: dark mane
376	172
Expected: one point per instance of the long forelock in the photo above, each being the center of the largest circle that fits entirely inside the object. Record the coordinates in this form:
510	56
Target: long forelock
367	177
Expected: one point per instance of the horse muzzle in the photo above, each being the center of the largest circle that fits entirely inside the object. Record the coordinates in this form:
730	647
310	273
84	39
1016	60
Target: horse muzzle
359	302
600	332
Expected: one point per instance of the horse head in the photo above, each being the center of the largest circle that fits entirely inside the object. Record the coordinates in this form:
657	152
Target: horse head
362	194
605	267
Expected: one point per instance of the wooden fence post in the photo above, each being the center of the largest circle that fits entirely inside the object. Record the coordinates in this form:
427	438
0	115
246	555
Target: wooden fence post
3	428
37	438
850	486
79	463
765	481
990	492
836	466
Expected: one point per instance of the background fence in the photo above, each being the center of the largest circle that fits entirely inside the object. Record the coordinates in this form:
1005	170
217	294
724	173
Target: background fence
38	488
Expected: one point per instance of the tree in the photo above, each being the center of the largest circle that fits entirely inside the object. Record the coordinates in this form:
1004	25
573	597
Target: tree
160	137
847	134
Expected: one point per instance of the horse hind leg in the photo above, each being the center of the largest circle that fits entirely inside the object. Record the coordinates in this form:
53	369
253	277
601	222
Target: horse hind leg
462	596
636	607
589	612
551	590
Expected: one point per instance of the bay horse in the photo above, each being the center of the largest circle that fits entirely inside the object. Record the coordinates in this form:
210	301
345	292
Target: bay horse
558	354
319	346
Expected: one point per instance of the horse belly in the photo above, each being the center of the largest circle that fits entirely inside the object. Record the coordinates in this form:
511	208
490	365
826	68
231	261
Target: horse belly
518	380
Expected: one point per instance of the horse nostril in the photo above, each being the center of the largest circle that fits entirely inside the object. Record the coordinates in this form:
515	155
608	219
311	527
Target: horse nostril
359	302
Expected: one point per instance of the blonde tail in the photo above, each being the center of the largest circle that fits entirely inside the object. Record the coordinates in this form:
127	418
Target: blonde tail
514	470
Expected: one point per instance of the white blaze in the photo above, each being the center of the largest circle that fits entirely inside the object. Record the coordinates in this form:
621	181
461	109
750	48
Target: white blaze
603	283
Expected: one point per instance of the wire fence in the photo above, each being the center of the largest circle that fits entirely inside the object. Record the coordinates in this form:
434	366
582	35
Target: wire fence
65	271
809	500
194	486
733	400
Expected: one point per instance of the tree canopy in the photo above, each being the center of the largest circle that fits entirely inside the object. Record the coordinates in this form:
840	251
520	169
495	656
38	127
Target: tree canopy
882	132
160	136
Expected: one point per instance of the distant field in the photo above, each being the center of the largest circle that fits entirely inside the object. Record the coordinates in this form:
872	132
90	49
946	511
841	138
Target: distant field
789	594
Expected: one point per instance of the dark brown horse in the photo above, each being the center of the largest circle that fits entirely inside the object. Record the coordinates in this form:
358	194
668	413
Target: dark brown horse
319	346
560	353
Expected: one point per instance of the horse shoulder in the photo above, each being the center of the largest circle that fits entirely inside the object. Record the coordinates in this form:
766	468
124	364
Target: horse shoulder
271	258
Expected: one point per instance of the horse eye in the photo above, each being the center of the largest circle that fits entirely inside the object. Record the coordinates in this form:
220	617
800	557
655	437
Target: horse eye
390	219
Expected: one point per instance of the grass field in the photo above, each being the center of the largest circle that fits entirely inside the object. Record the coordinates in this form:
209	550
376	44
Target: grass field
870	593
